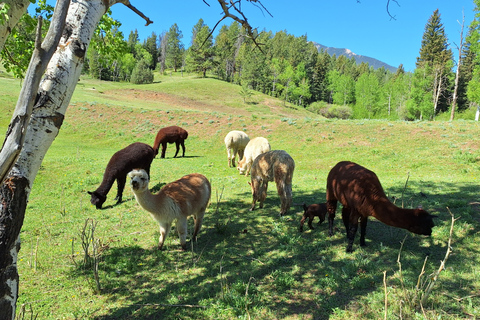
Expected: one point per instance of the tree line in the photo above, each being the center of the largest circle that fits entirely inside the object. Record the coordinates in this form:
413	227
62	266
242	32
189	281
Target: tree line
293	69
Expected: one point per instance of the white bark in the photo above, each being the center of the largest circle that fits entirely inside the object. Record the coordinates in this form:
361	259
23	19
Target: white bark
477	114
16	9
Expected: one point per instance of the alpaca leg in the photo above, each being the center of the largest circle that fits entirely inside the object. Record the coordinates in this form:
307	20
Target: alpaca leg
346	217
363	228
183	148
231	155
164	231
120	186
310	220
164	149
248	166
352	229
240	154
182	231
177	145
198	220
263	194
302	223
331	208
230	158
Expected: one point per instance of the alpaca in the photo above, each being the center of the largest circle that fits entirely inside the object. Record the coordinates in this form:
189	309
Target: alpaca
361	195
275	165
312	211
177	200
136	155
170	135
254	147
235	142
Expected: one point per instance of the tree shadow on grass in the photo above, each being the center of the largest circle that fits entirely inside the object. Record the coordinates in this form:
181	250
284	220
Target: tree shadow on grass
257	260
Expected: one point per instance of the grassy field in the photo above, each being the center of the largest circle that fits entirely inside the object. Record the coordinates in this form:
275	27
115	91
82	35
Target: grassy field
245	264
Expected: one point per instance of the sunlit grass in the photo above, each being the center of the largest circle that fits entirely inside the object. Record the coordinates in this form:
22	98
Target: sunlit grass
245	263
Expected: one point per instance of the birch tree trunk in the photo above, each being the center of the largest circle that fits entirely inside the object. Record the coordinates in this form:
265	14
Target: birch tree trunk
15	10
53	97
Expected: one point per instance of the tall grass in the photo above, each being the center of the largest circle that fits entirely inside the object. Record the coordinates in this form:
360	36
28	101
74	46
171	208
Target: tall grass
244	264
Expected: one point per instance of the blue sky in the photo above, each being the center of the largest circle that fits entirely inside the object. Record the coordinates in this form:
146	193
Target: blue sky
364	27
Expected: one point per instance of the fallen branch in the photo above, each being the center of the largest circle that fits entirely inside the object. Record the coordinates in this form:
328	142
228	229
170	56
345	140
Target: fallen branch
170	305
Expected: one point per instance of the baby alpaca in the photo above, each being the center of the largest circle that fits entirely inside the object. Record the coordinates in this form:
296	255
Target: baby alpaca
275	165
312	211
235	142
188	196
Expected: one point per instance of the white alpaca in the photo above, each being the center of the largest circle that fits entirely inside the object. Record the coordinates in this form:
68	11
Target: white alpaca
255	147
235	142
179	199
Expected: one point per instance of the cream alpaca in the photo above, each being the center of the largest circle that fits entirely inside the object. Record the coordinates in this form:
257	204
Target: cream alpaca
177	200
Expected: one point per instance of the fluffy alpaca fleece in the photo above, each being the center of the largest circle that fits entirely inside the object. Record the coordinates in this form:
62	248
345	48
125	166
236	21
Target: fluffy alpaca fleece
361	194
187	196
172	134
235	142
254	147
275	165
136	155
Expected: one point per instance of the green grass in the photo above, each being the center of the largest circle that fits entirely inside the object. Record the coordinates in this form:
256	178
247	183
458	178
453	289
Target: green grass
244	264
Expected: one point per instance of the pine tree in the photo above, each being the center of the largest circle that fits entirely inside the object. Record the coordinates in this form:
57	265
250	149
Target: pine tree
175	48
437	58
200	54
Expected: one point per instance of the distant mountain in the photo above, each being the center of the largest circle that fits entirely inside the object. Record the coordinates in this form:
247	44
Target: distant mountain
358	58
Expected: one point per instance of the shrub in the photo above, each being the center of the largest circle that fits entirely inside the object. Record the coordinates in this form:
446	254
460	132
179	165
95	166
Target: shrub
141	74
330	110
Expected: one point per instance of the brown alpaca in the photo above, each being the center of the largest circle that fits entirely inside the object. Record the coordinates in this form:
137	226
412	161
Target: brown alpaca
136	155
314	210
361	195
275	165
170	135
187	196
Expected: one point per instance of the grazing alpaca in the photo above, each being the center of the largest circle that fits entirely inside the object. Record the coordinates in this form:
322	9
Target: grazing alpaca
177	200
361	194
312	211
254	147
235	142
275	165
136	155
170	135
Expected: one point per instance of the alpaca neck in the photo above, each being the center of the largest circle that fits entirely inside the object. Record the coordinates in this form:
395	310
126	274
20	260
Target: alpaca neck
148	201
392	215
106	185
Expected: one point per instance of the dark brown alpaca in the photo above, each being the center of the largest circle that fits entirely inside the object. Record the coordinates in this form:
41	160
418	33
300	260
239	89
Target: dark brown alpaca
310	212
361	195
170	135
137	155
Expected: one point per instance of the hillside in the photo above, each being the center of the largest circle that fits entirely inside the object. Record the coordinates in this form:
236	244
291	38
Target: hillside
358	58
245	264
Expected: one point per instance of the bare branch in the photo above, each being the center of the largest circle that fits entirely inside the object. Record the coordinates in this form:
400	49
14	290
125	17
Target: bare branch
131	7
388	8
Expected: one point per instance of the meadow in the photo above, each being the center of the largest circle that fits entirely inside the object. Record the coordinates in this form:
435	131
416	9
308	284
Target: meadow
77	262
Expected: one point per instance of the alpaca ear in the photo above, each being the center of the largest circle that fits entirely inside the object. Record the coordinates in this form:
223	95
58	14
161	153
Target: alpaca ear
90	192
304	207
249	183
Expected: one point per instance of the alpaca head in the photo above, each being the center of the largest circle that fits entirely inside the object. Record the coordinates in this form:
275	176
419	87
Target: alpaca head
138	180
423	224
97	199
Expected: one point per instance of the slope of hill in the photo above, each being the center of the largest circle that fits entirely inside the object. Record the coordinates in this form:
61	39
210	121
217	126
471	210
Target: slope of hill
359	58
